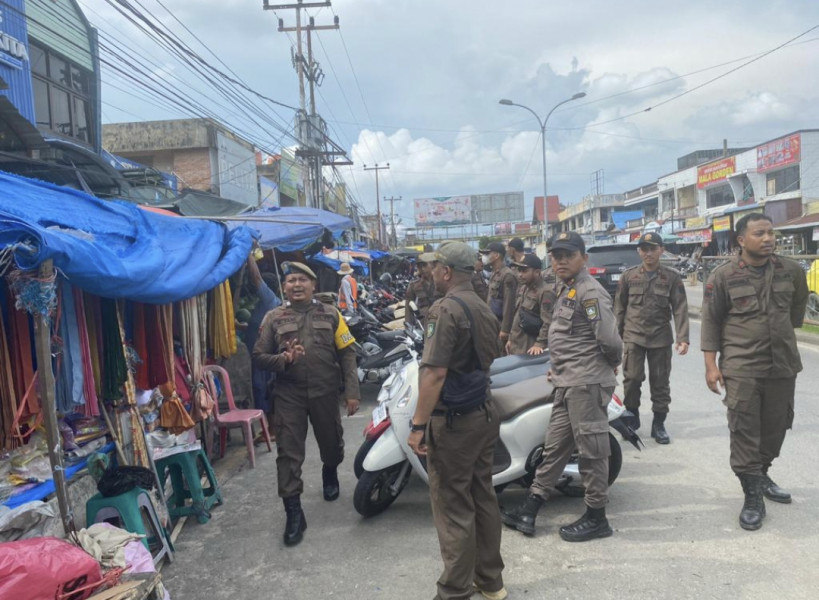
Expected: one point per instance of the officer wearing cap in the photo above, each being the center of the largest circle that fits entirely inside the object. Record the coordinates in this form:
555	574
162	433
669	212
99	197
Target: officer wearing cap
514	250
585	352
421	290
533	309
459	447
307	344
503	286
479	279
750	307
647	296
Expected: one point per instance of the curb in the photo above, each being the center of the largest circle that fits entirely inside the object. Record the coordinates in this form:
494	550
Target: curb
811	339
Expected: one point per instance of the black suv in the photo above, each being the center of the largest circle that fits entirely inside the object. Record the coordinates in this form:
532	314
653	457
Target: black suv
608	261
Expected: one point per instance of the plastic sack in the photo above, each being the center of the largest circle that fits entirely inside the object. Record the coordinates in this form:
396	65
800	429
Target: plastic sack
34	569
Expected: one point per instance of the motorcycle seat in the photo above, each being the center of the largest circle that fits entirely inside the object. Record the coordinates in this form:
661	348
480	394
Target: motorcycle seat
515	399
389	336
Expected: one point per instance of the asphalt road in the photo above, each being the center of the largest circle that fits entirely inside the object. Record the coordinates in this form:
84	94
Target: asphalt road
674	510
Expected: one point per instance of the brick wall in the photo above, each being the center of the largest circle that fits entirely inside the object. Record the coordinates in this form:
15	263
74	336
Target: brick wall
193	168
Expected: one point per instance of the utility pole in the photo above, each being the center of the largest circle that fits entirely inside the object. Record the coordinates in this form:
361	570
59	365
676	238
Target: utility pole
376	168
314	145
392	201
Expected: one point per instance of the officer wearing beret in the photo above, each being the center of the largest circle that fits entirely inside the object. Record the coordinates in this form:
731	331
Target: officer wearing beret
307	344
750	307
503	287
647	296
585	352
459	446
533	307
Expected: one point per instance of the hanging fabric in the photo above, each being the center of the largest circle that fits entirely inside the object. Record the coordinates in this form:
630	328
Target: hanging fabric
93	321
20	348
221	323
68	370
91	406
141	347
115	369
8	395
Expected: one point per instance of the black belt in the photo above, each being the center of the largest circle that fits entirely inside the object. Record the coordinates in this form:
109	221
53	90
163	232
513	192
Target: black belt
447	412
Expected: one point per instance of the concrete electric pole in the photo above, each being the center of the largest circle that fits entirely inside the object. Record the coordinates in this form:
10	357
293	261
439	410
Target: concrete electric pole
393	237
376	168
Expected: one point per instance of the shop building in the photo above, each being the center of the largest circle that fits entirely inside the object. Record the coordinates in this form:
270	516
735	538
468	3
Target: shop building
201	153
592	216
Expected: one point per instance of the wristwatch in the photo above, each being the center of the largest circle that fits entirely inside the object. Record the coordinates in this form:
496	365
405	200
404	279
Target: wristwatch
419	427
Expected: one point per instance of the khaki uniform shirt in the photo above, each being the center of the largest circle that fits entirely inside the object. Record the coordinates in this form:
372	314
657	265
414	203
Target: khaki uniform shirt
749	317
423	293
538	299
583	340
324	369
548	275
643	306
479	285
503	287
449	337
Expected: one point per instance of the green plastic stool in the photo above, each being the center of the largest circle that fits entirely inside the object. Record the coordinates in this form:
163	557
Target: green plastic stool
128	509
185	470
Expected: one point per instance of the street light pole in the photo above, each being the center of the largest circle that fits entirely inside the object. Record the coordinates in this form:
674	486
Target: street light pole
507	102
376	168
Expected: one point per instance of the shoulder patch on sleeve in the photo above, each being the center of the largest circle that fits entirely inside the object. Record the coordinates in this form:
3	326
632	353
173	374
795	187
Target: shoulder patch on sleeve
592	309
430	329
708	294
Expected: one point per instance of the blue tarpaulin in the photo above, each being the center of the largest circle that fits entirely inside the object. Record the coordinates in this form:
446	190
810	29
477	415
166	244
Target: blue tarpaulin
292	228
116	249
624	216
334	264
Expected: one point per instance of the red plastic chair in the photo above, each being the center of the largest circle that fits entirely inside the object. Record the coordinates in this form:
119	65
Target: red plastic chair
234	417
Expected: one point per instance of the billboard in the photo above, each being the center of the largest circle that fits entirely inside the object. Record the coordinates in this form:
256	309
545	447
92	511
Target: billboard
716	171
237	171
781	152
438	212
462	210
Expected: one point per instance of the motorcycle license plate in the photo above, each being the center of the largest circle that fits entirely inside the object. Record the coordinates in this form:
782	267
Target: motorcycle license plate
615	276
379	414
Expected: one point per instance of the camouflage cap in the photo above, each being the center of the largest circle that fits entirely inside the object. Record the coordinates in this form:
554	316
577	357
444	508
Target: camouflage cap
458	255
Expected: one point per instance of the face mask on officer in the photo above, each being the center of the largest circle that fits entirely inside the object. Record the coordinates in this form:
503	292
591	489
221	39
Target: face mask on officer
485	260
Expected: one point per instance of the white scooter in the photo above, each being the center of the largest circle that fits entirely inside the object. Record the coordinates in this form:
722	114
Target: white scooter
522	397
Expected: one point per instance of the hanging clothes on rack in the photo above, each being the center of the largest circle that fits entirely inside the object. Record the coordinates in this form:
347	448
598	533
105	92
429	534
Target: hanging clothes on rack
89	390
115	369
140	343
68	371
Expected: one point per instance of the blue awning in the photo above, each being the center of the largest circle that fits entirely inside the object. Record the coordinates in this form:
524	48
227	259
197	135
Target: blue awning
292	228
115	249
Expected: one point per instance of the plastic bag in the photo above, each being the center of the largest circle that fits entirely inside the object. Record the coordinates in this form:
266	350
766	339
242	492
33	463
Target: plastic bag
34	569
118	480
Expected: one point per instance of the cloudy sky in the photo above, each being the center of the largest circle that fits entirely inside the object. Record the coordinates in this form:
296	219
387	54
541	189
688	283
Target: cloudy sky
416	83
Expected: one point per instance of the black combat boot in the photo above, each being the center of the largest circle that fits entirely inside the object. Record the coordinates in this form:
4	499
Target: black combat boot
753	510
296	522
591	525
658	431
773	491
329	478
523	517
633	419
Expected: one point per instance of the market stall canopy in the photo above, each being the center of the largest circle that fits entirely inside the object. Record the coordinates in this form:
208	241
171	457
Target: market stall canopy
115	249
292	228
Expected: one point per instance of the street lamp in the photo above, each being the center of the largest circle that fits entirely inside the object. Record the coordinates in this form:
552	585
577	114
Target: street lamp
507	102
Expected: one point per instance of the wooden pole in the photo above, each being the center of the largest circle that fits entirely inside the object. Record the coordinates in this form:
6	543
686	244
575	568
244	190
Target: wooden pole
48	402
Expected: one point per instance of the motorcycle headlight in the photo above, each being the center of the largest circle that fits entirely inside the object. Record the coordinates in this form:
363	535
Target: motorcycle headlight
405	397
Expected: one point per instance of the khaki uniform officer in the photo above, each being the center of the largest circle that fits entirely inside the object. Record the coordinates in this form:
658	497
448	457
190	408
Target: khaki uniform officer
751	305
479	284
503	287
421	291
460	445
307	344
647	296
534	305
585	351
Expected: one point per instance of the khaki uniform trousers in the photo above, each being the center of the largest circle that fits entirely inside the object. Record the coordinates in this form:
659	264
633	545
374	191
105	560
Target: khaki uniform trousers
659	374
579	421
293	410
760	411
464	506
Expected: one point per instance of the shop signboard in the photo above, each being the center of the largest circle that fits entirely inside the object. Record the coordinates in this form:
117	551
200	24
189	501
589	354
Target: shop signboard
447	210
695	222
503	228
721	224
779	153
15	68
290	177
523	227
716	171
269	193
237	171
695	236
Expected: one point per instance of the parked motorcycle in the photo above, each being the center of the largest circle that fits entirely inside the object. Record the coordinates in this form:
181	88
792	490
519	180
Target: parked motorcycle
523	399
